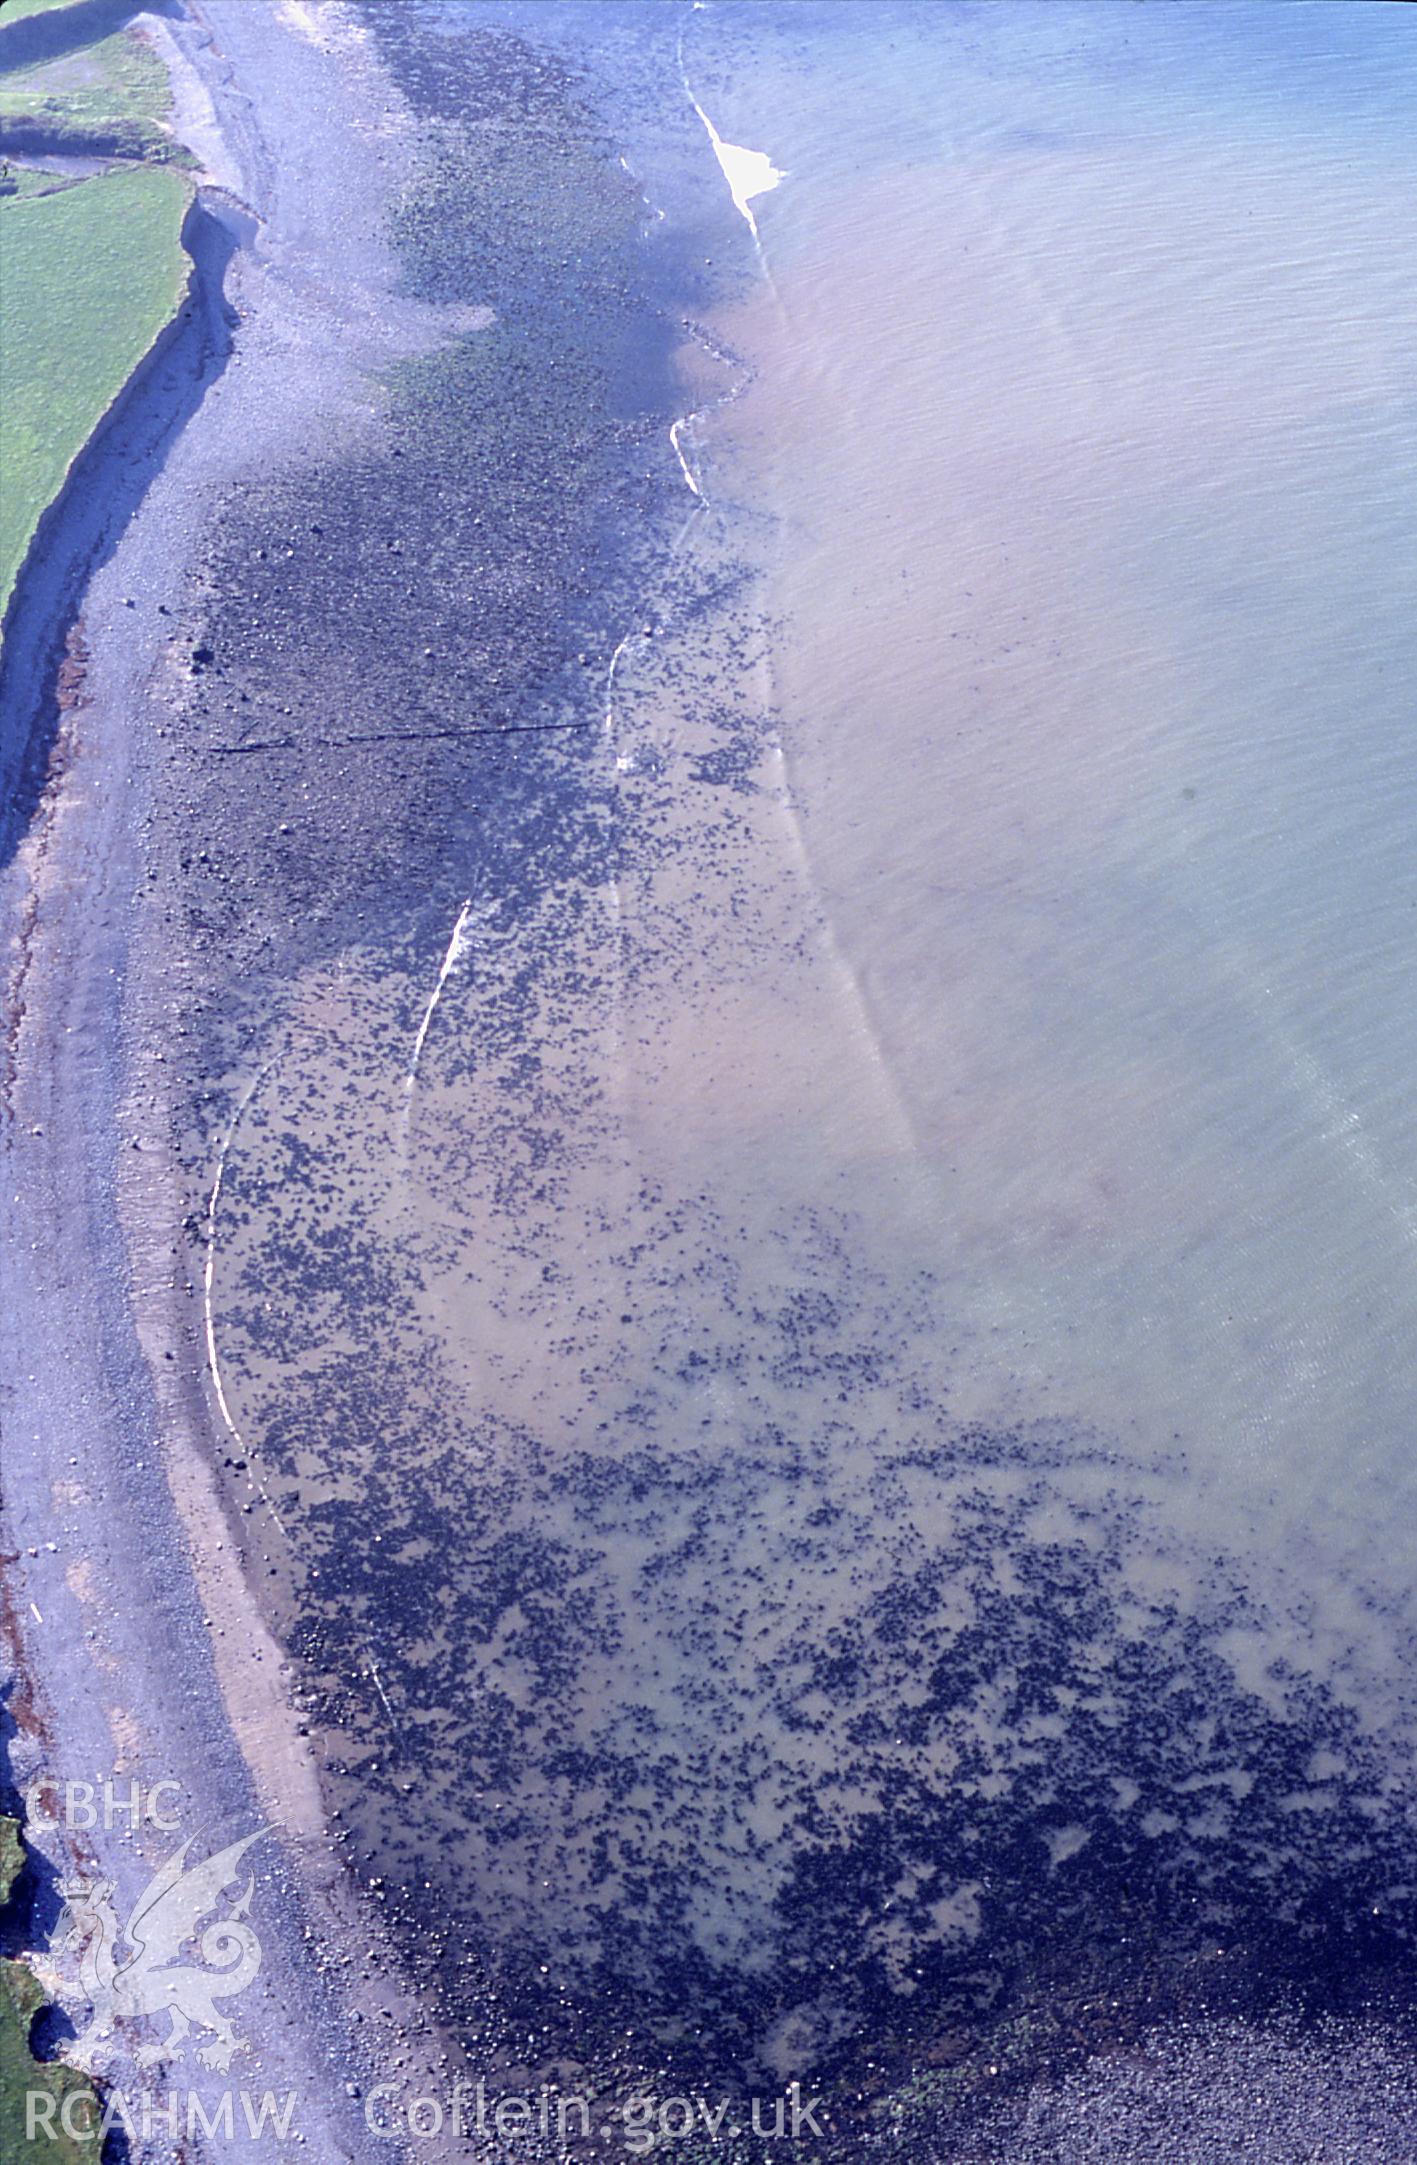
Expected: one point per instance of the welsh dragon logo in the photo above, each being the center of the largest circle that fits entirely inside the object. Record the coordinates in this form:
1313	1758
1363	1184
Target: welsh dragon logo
146	1977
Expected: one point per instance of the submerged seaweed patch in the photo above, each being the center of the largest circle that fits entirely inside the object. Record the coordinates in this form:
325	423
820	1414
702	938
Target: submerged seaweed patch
820	1727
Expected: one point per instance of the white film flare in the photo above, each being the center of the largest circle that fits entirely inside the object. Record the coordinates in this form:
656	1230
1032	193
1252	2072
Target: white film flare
749	173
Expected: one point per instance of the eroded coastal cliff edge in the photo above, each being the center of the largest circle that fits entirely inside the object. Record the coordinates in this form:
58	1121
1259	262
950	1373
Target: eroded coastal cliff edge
102	491
136	1654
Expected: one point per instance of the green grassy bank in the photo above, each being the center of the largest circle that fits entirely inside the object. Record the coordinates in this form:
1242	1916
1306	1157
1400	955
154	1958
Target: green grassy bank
11	11
90	270
90	276
81	79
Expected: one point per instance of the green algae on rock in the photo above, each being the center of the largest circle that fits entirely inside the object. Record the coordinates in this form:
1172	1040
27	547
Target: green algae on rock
38	2098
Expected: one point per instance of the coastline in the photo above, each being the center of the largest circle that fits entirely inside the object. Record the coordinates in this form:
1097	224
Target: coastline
120	1543
161	1562
100	492
166	974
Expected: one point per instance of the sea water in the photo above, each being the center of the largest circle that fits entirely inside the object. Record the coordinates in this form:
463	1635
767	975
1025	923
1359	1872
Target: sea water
1085	409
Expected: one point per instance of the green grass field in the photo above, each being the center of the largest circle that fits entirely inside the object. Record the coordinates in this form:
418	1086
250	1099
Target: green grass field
89	272
106	93
91	275
12	10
